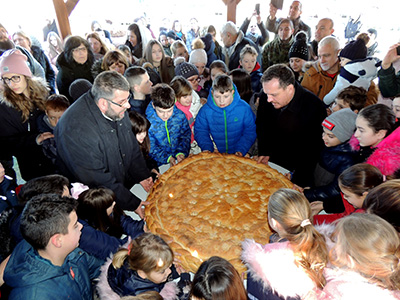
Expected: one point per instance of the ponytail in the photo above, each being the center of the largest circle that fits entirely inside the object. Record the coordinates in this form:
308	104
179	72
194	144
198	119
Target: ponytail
292	211
119	258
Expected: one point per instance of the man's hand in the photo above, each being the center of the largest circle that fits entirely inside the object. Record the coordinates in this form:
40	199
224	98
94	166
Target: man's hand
298	188
390	57
147	184
140	209
238	153
272	11
316	207
263	159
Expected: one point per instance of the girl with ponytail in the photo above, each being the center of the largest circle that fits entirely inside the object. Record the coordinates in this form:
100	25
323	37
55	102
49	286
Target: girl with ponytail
293	267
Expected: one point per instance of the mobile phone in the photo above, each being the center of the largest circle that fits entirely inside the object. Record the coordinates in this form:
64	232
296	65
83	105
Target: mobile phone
398	50
258	8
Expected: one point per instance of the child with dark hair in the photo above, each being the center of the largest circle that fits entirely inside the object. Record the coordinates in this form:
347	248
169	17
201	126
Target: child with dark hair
355	183
104	223
225	120
352	97
169	132
48	258
140	128
55	107
248	61
216	278
242	81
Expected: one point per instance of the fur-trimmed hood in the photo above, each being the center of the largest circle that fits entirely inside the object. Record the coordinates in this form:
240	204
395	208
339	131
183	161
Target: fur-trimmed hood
274	268
386	157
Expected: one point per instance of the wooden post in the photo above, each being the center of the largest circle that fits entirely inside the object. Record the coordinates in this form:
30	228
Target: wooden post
63	11
231	9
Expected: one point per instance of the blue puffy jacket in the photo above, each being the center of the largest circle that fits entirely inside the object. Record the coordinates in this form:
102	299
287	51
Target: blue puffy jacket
232	128
169	138
32	277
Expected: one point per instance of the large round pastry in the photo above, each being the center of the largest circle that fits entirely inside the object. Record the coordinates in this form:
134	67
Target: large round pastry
209	203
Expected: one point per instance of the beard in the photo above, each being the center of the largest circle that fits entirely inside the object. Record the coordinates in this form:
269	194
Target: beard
114	115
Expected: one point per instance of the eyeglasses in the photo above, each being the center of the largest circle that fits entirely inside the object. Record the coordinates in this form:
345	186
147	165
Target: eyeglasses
80	49
15	79
122	104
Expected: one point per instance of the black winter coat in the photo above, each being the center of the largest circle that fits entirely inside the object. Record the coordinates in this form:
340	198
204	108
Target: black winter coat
43	60
292	136
99	152
333	160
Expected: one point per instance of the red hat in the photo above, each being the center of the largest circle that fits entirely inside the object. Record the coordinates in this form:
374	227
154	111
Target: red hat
13	61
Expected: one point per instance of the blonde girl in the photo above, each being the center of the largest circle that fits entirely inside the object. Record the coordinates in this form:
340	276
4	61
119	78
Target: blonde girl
294	266
365	259
144	265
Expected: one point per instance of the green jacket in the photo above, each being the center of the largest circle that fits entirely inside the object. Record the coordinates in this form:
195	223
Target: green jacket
276	52
389	82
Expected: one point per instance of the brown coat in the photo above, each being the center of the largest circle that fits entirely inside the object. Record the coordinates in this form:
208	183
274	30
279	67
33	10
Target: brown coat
317	81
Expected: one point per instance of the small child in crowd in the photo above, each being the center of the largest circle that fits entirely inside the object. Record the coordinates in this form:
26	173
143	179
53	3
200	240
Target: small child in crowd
218	67
365	260
140	128
216	278
248	61
357	69
242	80
355	184
384	201
47	264
169	132
198	57
352	97
145	265
55	106
225	120
104	223
336	157
293	267
184	95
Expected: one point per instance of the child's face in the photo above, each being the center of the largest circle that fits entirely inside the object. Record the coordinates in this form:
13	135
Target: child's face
366	135
181	51
17	83
215	72
200	67
194	81
353	199
186	100
339	104
344	61
223	99
141	136
248	62
296	63
159	276
156	53
164	113
71	240
330	140
54	116
396	107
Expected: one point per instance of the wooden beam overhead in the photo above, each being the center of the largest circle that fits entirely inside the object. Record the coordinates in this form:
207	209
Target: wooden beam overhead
70	4
63	11
231	7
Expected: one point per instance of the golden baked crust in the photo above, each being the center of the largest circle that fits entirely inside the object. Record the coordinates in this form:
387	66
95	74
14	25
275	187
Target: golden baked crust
210	203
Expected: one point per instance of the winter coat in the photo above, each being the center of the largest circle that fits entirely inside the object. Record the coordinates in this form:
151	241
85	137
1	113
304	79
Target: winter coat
18	138
190	37
386	155
273	267
291	136
33	64
232	54
317	81
273	24
349	285
389	82
209	48
358	73
8	198
69	72
114	283
333	160
169	138
33	277
101	244
231	128
44	61
99	152
255	76
276	52
139	106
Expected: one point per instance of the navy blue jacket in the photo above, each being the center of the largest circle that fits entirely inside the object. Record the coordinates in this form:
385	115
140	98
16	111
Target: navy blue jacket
334	160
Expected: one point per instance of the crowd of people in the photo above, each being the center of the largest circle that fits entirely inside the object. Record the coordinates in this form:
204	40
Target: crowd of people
86	119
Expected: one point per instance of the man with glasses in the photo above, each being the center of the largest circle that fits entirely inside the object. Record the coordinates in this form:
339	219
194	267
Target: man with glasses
96	145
